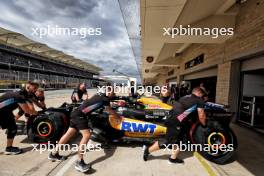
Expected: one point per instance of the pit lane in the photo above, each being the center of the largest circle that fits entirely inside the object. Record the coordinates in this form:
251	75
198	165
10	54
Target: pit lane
124	158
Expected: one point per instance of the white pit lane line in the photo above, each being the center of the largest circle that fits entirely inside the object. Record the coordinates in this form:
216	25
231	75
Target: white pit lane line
70	162
62	171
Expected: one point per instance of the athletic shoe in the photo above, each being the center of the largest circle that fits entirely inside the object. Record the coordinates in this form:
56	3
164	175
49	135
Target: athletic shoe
175	161
13	150
82	166
56	157
146	153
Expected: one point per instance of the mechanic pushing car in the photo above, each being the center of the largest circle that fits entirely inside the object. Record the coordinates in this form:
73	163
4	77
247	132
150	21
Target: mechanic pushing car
79	122
8	103
175	124
38	99
79	94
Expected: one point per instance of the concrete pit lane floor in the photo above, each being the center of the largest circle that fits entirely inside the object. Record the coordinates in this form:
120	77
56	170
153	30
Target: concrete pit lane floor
126	158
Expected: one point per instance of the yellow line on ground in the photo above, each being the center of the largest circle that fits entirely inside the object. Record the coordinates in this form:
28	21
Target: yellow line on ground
204	163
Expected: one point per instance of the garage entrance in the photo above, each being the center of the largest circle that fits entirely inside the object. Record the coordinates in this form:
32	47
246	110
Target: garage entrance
209	84
252	98
209	79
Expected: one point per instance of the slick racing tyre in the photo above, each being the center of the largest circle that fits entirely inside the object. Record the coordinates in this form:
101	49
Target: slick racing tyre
219	143
49	126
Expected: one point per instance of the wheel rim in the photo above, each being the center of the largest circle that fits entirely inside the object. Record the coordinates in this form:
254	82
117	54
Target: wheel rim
44	129
216	138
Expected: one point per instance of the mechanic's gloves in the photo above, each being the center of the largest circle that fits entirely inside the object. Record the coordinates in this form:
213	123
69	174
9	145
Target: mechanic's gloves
80	101
41	111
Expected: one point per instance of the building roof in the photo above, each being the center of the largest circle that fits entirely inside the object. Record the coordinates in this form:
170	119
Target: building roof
17	40
166	51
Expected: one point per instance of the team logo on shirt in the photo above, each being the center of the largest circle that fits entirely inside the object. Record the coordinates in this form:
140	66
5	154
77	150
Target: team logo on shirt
91	108
182	116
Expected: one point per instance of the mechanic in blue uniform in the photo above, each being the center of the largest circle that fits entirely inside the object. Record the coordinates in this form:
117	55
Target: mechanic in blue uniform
8	103
79	122
175	124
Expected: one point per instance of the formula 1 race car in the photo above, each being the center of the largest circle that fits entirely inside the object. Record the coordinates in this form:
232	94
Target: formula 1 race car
51	124
143	108
217	135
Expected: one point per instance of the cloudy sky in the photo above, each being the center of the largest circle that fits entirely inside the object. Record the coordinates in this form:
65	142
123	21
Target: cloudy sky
109	51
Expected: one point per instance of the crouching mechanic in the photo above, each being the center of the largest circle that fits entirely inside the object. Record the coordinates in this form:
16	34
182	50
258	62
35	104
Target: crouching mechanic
79	122
176	123
8	103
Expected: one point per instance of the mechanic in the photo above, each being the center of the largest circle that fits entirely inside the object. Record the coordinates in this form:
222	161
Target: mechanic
38	99
79	122
77	94
205	97
133	92
8	103
165	93
175	124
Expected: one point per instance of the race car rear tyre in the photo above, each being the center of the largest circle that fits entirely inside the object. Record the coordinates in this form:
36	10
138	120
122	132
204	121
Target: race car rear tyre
215	136
48	127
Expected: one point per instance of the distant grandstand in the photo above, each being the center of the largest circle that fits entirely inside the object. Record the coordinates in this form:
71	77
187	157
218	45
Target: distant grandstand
22	59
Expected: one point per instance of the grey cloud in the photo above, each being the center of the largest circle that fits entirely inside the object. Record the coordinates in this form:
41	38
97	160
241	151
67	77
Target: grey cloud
49	9
109	65
110	51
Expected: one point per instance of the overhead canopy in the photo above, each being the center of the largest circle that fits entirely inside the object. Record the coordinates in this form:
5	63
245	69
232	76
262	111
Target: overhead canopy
165	51
19	41
131	15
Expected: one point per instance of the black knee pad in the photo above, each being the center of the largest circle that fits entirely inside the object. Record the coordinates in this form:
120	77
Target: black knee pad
11	132
163	142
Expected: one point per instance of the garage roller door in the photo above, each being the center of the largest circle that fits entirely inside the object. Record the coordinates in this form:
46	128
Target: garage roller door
253	64
201	74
